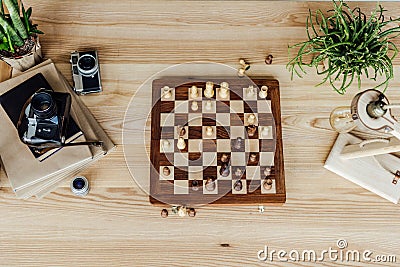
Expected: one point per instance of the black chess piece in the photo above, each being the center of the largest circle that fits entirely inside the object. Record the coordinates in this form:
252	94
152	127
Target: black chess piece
195	185
238	143
238	186
224	171
251	130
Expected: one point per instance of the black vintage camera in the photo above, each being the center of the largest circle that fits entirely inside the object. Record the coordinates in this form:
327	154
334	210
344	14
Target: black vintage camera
86	72
45	118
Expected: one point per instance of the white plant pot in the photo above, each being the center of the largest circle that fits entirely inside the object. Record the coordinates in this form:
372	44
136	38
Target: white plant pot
28	60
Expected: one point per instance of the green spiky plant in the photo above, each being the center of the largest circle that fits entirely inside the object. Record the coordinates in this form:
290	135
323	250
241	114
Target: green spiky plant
349	44
16	28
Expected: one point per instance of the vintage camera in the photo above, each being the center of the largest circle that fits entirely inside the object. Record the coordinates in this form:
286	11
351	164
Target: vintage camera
86	72
45	118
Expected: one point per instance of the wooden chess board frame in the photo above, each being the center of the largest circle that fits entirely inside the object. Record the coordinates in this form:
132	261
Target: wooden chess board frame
160	190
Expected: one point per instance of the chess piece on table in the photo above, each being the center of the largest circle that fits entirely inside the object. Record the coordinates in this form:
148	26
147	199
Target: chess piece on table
192	212
167	92
244	66
166	144
253	157
208	105
263	91
209	131
250	91
267	171
224	170
238	186
166	171
209	91
224	158
181	144
238	143
195	106
251	119
267	184
251	130
195	185
164	213
210	184
224	90
238	172
264	131
194	91
182	211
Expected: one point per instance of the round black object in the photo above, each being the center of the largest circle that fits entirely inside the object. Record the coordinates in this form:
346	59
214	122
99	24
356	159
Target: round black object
43	105
78	183
86	62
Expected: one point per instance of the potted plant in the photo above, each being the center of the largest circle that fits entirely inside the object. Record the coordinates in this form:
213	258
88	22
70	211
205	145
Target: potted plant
19	46
348	44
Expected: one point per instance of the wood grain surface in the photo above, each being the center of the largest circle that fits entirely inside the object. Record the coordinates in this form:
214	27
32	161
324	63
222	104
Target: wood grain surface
115	225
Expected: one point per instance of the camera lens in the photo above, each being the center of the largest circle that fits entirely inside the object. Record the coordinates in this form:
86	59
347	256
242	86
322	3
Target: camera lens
43	105
87	65
78	183
80	186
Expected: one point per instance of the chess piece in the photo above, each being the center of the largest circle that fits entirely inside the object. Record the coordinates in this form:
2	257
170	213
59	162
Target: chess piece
194	92
209	91
267	184
195	185
182	211
192	212
209	131
166	171
267	171
244	67
241	72
167	92
251	119
238	143
181	144
224	170
253	157
166	144
251	130
224	158
263	91
238	172
164	213
250	91
181	131
265	131
238	186
268	59
194	106
208	105
210	184
224	90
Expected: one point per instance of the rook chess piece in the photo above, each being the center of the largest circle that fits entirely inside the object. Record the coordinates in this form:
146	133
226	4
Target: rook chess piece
238	186
194	92
263	91
253	157
194	106
238	143
181	144
209	131
251	119
167	92
166	171
224	158
208	105
210	184
209	91
224	90
267	184
251	130
224	170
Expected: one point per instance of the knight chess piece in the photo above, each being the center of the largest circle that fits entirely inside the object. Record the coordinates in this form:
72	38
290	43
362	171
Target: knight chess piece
167	92
263	91
194	91
267	171
238	186
209	131
166	171
195	185
224	158
250	91
224	170
251	130
208	105
238	143
267	184
209	91
181	144
195	106
224	90
253	157
210	184
251	119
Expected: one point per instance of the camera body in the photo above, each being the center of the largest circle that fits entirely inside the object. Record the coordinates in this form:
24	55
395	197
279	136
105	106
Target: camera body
46	118
86	72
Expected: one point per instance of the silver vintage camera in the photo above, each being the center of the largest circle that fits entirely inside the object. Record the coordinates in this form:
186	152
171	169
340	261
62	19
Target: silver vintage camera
86	72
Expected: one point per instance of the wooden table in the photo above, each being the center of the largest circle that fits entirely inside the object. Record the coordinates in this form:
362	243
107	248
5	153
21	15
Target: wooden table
115	224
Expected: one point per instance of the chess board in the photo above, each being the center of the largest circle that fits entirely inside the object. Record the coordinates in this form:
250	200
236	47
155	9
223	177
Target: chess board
200	160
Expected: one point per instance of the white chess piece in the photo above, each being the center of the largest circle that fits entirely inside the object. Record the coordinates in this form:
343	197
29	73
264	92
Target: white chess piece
167	92
181	144
250	91
166	144
265	131
195	106
208	105
209	131
224	90
263	91
251	119
194	92
209	91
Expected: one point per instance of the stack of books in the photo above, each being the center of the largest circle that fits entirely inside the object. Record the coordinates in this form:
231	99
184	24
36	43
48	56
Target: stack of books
37	174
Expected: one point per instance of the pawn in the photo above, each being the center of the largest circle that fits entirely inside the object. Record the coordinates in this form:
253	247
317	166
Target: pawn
208	105
253	157
210	184
224	171
195	106
195	185
238	143
164	213
251	130
166	171
209	131
251	119
194	92
263	91
181	144
224	158
182	211
238	186
238	172
267	184
267	171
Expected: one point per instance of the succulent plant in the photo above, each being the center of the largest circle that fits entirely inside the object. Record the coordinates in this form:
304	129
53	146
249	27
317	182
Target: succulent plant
16	27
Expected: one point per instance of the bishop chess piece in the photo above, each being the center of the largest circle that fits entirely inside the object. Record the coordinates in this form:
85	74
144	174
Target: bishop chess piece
263	91
224	90
238	143
194	92
210	184
181	144
251	130
224	171
209	91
